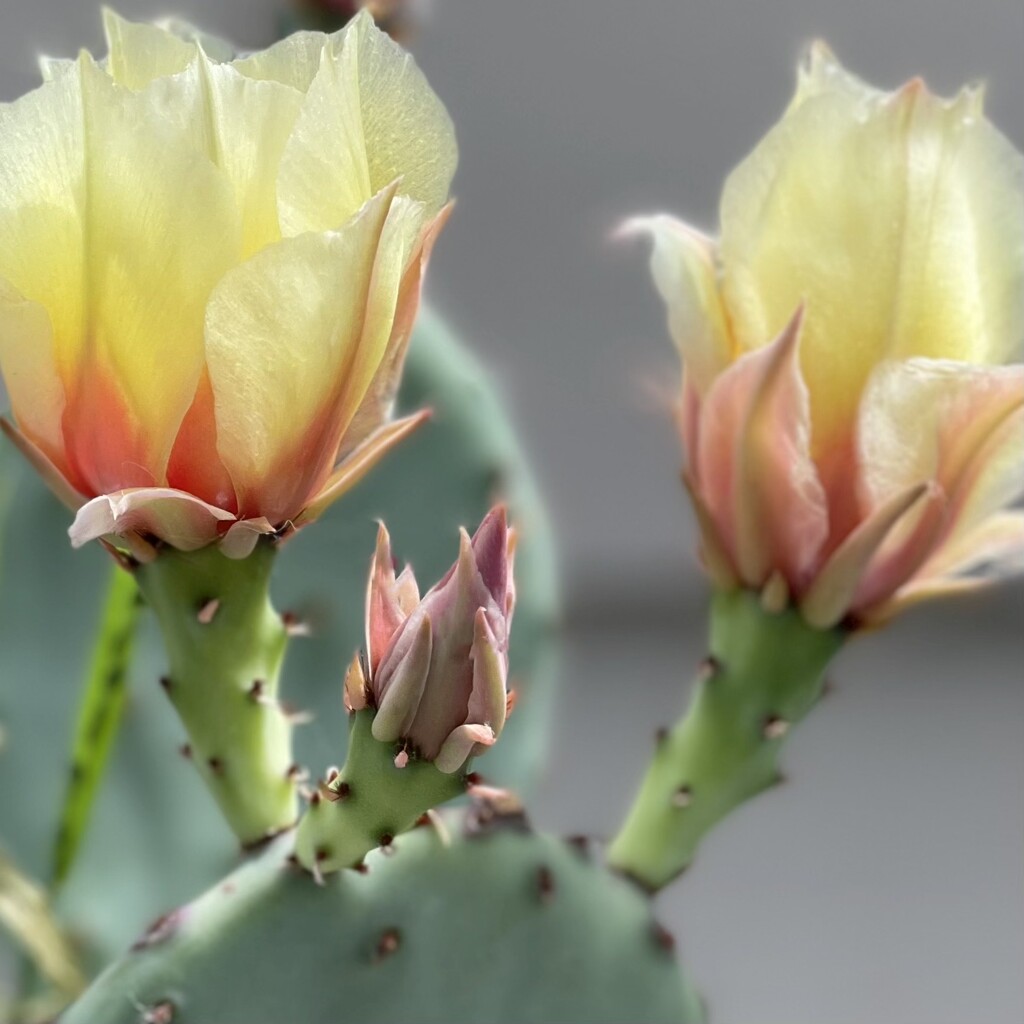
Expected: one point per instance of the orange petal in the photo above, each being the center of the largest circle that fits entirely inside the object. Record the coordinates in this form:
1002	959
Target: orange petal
52	476
359	463
195	465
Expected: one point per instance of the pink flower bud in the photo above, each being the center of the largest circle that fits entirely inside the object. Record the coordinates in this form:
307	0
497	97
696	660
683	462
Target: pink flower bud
438	666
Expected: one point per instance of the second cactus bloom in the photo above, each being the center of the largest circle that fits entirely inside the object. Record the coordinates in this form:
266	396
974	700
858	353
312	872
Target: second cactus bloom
852	419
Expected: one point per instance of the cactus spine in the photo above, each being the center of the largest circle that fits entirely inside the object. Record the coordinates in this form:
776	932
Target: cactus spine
225	644
764	674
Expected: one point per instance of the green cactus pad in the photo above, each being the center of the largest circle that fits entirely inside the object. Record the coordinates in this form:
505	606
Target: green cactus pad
502	925
156	838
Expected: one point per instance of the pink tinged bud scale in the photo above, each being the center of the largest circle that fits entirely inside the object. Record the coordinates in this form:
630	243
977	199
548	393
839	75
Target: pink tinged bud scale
439	666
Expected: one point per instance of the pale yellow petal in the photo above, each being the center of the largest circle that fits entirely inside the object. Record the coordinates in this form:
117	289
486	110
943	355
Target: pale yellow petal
294	337
292	61
242	125
140	52
898	219
41	202
29	370
160	230
53	67
369	118
993	549
214	47
927	419
407	129
325	175
684	272
997	479
820	72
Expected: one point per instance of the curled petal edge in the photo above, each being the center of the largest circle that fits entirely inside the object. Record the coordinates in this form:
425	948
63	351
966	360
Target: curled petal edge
176	517
38	460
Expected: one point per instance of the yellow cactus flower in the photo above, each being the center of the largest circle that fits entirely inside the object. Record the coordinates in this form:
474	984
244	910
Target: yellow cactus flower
209	271
854	430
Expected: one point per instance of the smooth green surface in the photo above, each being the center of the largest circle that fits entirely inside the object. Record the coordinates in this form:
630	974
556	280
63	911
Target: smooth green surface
157	838
99	716
225	645
506	927
764	674
374	801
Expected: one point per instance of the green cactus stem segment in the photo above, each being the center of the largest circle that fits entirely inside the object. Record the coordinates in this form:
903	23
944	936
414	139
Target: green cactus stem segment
369	802
765	673
225	644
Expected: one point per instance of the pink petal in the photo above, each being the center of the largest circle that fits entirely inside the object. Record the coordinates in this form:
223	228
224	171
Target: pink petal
830	595
384	612
757	479
179	519
490	548
905	550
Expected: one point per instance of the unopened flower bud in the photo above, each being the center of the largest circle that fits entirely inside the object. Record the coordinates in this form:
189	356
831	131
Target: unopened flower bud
438	666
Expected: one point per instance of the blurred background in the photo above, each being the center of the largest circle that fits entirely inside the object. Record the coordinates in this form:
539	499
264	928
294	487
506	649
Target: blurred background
885	882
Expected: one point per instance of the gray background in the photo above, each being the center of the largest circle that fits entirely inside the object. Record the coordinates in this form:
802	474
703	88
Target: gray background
885	883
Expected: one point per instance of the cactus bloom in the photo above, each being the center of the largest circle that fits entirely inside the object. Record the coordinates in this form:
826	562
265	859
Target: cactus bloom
438	665
209	271
852	420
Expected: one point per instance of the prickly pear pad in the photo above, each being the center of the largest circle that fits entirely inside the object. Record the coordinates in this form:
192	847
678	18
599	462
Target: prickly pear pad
497	924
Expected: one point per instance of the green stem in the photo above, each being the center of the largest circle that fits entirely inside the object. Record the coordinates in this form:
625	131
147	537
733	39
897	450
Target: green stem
99	716
765	673
370	802
225	644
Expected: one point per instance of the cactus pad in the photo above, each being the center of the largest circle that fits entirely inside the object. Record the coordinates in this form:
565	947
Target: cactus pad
498	925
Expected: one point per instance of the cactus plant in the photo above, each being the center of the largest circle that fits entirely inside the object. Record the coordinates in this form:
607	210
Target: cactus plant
493	924
466	456
283	330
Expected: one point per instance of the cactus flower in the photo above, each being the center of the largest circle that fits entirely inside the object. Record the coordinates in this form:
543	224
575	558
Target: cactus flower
851	415
438	664
209	271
